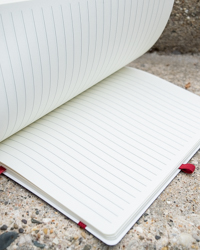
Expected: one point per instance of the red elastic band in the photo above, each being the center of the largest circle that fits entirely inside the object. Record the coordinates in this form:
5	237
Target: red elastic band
82	225
2	169
187	168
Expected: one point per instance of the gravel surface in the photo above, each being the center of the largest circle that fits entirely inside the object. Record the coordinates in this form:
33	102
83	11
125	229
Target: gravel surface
171	222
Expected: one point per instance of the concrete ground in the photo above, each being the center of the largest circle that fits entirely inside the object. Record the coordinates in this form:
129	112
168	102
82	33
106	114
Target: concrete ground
171	222
182	34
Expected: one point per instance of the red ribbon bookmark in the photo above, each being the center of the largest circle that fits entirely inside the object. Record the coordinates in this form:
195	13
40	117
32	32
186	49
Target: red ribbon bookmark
187	168
82	225
2	169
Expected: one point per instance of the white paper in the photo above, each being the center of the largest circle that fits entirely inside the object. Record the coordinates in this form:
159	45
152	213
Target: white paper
52	50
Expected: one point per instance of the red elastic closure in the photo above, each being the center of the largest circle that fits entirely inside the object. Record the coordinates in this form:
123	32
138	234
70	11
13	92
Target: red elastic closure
187	168
82	225
2	169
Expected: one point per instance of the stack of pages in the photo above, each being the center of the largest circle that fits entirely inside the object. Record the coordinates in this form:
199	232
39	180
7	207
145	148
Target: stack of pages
97	141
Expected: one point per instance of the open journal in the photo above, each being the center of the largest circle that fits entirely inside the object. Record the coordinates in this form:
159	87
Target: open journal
96	141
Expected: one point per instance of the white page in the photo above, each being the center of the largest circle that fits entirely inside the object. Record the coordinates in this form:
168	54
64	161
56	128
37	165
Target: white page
107	152
52	50
12	1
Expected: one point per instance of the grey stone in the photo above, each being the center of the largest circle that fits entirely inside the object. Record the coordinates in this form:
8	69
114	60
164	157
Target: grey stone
6	239
24	221
35	221
39	245
87	247
4	228
21	230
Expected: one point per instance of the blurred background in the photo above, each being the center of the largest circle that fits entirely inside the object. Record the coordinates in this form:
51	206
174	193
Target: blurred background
182	34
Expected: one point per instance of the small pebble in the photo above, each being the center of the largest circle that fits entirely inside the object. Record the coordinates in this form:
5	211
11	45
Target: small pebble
76	237
4	227
80	240
186	239
157	237
87	247
39	245
21	230
84	235
139	230
15	226
35	221
55	241
194	247
25	239
46	220
24	221
45	230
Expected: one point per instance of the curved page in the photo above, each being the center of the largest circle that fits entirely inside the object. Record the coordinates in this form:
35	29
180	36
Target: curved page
104	156
52	50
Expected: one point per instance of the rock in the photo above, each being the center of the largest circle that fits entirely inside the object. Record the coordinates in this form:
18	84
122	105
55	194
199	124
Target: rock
21	230
15	226
46	220
84	235
4	228
80	240
6	239
37	244
55	241
196	237
35	221
87	247
139	230
25	239
157	237
186	239
141	237
24	221
45	230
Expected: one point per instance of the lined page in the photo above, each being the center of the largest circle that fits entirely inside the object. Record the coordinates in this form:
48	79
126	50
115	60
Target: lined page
107	151
52	50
